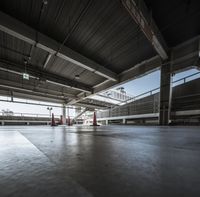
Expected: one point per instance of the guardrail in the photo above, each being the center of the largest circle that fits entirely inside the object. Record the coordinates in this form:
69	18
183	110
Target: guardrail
33	115
155	90
144	105
184	79
10	118
147	102
10	114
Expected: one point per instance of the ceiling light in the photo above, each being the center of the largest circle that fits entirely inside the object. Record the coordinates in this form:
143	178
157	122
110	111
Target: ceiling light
25	61
26	76
77	76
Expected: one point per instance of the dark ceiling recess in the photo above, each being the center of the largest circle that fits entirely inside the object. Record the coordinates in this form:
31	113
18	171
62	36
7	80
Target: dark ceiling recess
178	20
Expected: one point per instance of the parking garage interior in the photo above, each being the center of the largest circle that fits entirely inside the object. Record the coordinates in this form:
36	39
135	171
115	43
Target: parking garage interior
68	127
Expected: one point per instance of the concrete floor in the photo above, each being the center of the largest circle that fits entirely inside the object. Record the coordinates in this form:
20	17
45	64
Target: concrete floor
104	161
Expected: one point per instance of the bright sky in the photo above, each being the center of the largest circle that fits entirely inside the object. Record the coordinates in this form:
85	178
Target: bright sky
135	87
24	108
143	84
34	109
152	81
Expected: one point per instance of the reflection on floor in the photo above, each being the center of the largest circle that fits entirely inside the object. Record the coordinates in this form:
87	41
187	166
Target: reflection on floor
103	161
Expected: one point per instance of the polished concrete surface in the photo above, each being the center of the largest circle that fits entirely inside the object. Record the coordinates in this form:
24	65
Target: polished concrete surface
103	161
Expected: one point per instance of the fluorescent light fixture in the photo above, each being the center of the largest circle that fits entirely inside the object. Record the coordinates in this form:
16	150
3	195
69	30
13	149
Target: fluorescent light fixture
26	76
77	76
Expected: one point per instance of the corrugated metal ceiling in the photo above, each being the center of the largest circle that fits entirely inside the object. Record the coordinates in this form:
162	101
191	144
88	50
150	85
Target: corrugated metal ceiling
35	84
12	48
15	51
67	69
106	33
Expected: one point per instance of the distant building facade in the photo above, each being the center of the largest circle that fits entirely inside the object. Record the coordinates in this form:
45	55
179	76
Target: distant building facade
117	94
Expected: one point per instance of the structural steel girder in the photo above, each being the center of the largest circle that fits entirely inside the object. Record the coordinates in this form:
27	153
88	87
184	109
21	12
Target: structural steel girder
13	84
28	93
80	114
149	30
45	75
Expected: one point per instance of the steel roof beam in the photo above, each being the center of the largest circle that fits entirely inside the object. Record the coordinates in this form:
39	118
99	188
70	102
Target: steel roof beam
91	106
45	75
21	31
4	91
15	82
138	70
28	90
148	27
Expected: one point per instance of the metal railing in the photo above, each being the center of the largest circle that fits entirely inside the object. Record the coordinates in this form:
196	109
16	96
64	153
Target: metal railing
147	102
18	114
146	105
145	94
185	79
155	90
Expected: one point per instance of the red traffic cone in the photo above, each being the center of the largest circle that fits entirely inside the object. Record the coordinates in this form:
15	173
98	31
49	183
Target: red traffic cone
94	119
53	123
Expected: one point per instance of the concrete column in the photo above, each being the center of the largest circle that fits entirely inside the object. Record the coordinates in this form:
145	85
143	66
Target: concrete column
64	113
124	121
106	122
165	94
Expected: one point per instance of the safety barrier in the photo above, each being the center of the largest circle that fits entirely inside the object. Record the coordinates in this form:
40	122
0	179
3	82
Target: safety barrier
185	97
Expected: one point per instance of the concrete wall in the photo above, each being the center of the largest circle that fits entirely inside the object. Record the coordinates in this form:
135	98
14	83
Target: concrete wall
186	96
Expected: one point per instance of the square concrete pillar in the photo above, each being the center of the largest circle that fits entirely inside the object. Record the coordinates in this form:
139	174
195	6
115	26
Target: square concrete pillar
165	94
64	113
124	121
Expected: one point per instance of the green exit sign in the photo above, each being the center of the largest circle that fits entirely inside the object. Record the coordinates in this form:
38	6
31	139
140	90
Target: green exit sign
26	76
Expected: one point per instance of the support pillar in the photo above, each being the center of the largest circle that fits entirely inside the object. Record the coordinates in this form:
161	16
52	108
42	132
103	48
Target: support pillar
124	121
68	121
53	123
64	113
165	94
